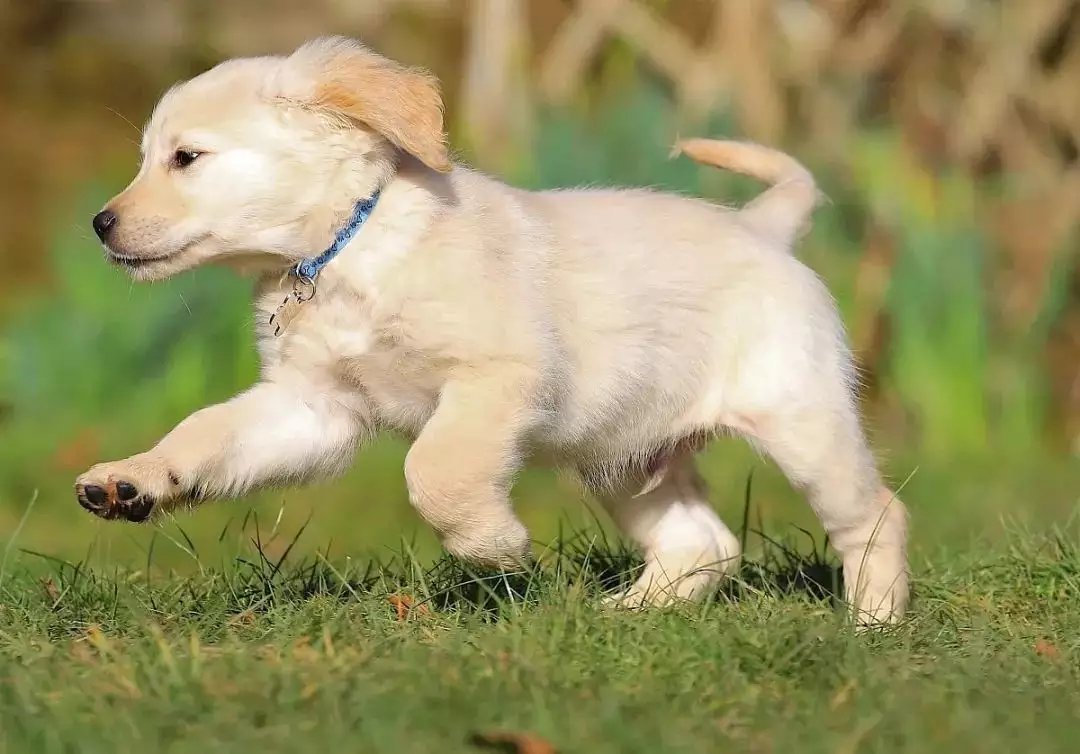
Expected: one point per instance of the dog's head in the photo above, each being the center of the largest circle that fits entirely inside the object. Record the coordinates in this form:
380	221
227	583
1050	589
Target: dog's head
256	160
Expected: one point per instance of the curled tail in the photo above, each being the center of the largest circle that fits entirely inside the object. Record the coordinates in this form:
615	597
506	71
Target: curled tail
783	211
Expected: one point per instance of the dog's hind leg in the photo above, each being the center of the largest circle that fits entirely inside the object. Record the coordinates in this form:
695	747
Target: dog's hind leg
687	548
822	449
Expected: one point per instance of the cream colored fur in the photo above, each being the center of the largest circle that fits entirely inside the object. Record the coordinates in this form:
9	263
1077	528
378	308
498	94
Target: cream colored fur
606	331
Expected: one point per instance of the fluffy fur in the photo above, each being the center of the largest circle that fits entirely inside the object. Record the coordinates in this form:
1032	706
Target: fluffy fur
607	331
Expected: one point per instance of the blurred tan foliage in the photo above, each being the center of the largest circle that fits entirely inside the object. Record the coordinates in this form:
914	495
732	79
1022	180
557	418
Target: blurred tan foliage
991	89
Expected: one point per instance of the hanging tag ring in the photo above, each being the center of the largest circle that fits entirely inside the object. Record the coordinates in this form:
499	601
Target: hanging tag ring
303	288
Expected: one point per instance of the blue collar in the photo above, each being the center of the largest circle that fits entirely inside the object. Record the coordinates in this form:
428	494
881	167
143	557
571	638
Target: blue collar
308	269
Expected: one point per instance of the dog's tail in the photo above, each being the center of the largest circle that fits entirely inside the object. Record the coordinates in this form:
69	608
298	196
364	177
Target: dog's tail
783	211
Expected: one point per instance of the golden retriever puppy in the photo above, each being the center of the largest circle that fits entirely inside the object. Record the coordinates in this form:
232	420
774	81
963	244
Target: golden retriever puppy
606	331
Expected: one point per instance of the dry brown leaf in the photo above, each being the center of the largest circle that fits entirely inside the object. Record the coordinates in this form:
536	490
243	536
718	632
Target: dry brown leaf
1043	648
52	594
405	606
245	618
512	743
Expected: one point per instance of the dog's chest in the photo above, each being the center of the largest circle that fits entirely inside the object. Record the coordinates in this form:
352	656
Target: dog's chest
359	346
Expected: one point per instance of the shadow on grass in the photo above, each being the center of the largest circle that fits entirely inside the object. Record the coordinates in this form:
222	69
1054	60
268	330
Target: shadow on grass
584	560
781	571
583	565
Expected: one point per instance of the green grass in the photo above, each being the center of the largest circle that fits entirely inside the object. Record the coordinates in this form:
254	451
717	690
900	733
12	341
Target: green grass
272	656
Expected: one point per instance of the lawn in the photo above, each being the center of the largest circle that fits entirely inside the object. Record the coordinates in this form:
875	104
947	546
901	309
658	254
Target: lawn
273	654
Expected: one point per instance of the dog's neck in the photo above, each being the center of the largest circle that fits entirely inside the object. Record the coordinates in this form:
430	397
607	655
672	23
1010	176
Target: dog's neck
399	182
320	228
308	269
350	187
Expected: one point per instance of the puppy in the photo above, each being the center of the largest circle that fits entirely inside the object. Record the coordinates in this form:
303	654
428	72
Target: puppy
611	332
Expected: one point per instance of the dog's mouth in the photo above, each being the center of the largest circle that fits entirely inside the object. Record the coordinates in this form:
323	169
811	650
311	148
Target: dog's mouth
134	263
146	265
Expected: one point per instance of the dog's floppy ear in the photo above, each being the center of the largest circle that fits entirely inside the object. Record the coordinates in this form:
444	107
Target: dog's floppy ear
403	104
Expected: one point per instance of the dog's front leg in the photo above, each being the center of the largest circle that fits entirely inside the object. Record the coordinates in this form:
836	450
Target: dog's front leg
460	469
275	432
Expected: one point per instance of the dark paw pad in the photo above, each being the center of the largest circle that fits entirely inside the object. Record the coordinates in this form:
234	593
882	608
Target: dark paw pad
115	500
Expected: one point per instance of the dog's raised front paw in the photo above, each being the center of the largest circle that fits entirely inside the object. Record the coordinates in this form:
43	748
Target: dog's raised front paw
128	490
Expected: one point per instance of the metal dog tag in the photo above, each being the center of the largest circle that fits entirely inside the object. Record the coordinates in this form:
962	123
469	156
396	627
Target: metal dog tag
290	307
286	313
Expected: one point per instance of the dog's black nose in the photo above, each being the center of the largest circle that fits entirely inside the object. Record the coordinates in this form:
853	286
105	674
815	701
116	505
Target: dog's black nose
104	221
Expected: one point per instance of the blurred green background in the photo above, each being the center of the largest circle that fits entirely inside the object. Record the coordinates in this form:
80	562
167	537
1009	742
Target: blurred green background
945	134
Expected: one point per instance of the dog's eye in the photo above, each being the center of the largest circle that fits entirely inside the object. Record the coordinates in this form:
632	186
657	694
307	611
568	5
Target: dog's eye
184	157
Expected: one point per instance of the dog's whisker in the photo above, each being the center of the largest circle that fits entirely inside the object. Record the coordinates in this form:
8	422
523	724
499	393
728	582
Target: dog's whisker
124	118
83	233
